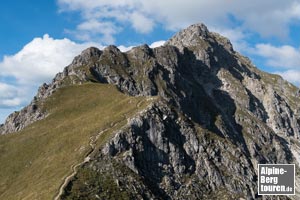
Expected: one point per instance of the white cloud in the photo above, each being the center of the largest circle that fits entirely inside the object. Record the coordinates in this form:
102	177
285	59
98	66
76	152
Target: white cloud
157	44
6	90
237	37
90	30
101	20
292	76
282	56
10	95
13	102
40	59
153	45
4	112
36	63
141	23
268	17
283	60
124	48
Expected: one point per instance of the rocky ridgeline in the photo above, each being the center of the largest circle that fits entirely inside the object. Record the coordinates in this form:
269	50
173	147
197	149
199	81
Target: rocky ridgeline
217	117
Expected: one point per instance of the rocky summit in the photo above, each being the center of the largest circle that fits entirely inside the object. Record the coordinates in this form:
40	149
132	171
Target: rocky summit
204	119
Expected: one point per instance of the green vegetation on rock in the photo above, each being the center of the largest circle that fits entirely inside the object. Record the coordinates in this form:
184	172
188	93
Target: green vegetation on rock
35	161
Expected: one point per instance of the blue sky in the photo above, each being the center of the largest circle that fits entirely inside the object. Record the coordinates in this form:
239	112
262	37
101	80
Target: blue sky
39	38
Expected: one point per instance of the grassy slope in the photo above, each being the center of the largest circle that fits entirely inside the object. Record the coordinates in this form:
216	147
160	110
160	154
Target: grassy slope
35	161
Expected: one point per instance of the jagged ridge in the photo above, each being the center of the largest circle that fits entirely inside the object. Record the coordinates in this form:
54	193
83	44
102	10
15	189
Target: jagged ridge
218	117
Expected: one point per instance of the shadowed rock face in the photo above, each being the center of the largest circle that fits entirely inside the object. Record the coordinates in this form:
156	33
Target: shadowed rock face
217	117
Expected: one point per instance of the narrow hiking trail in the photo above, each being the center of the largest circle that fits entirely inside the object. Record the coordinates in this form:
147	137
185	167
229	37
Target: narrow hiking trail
92	144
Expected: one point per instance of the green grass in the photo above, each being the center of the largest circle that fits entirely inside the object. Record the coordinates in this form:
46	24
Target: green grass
35	161
88	183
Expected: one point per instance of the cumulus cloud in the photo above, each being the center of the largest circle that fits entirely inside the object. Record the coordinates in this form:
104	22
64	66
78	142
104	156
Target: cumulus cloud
40	59
10	95
292	76
95	30
284	60
237	37
141	23
4	112
283	56
102	20
157	44
36	63
268	17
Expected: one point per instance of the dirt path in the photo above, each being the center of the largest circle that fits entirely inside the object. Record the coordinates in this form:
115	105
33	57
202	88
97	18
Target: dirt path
86	159
68	178
92	144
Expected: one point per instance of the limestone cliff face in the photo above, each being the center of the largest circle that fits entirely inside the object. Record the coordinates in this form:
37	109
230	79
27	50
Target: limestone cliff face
217	116
18	120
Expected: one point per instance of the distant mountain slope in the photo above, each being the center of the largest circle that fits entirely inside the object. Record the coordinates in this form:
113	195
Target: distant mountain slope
207	117
35	161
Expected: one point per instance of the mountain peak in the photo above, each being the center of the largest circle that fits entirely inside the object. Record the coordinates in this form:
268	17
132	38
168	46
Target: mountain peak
86	55
90	52
198	35
209	118
111	48
189	36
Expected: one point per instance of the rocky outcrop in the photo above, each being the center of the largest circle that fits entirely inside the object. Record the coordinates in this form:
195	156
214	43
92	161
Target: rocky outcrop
216	117
20	119
34	111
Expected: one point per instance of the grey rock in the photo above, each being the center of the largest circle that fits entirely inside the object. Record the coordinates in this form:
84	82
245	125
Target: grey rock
220	116
216	118
20	119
